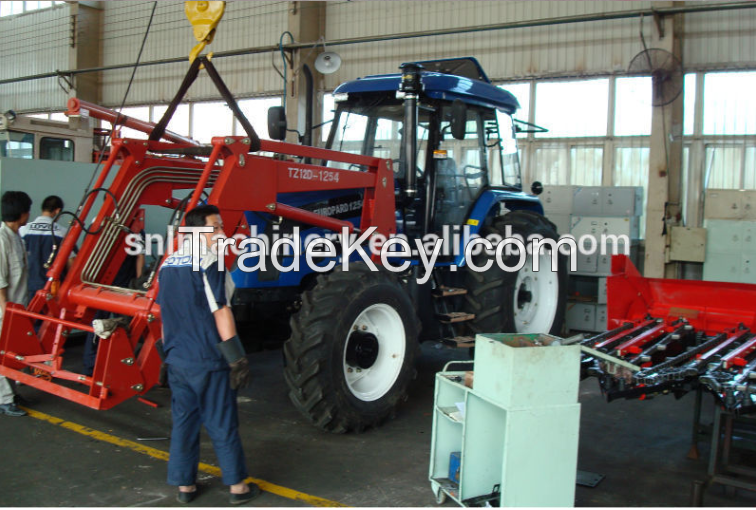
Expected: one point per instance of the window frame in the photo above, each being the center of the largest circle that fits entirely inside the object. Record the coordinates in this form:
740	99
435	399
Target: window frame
5	138
25	8
42	147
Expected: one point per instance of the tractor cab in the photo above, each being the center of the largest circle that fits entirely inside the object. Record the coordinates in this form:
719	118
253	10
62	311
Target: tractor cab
450	136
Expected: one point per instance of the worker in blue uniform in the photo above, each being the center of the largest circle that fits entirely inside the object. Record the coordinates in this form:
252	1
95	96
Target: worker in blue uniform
206	360
39	239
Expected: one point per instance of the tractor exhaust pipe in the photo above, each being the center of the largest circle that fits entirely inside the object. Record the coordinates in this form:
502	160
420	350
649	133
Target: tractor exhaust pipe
411	87
309	100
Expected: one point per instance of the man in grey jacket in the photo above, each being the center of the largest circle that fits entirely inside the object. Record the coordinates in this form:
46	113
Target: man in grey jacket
14	273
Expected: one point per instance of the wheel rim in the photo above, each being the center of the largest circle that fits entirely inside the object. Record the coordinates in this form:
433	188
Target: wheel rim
374	352
536	296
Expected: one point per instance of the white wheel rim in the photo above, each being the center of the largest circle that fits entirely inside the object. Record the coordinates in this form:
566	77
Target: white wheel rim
385	324
536	296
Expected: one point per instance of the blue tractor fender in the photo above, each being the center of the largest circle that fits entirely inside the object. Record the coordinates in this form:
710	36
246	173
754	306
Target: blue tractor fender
487	206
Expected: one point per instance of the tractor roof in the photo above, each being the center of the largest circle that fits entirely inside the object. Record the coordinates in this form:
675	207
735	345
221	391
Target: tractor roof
448	79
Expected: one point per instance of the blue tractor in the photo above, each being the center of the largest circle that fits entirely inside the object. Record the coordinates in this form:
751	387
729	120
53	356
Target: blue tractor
353	335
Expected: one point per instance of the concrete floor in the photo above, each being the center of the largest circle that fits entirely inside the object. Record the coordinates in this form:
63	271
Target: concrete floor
640	446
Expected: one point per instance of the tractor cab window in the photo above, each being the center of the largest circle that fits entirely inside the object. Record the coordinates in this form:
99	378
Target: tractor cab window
502	151
488	154
375	130
14	144
469	155
461	167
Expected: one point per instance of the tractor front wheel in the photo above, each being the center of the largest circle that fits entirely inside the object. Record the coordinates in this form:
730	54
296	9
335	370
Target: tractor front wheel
351	353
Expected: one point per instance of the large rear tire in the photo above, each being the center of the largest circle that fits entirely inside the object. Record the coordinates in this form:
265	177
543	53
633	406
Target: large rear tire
351	353
523	302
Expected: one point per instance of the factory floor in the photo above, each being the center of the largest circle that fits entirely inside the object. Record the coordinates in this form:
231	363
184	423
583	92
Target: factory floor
66	455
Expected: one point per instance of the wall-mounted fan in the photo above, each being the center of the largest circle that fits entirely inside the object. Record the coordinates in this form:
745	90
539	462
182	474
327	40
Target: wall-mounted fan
665	70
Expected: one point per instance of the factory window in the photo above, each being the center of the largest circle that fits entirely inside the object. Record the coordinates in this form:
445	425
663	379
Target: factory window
586	164
179	123
137	112
57	116
550	166
14	144
569	164
689	104
32	6
571	109
730	165
211	119
749	175
521	91
729	103
632	111
723	166
10	8
631	169
256	111
57	149
208	119
328	113
686	185
631	166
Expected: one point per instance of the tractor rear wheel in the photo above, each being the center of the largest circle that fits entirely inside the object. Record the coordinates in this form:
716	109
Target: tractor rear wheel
526	301
351	353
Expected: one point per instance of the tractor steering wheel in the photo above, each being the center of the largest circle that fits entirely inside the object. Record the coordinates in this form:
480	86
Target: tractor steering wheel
469	176
473	175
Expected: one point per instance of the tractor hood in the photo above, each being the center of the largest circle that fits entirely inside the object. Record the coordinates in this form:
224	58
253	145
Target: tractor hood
438	86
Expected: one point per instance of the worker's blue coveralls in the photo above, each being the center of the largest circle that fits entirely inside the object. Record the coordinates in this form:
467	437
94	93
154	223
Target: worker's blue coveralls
197	372
39	244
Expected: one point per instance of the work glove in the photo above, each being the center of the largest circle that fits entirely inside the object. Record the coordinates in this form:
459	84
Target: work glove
239	374
233	351
163	374
103	328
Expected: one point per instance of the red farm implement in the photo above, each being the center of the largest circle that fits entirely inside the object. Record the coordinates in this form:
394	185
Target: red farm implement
33	339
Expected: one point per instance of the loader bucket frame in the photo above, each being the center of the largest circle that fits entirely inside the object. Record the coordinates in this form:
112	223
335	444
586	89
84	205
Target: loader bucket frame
708	306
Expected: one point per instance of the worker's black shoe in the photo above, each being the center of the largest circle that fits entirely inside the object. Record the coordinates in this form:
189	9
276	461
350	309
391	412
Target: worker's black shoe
186	497
239	499
23	401
11	410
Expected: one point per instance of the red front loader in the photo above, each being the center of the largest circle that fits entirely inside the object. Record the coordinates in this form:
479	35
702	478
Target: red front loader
150	173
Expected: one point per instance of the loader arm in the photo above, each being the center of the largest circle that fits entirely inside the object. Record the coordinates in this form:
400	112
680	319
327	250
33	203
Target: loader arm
127	362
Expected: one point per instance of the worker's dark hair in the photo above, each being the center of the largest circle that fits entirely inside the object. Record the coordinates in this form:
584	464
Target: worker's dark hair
51	203
197	217
14	205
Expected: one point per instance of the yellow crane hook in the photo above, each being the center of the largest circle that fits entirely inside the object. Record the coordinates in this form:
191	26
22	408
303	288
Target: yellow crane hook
204	17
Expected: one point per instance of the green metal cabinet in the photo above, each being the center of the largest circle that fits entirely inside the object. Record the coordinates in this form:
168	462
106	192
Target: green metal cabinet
520	425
